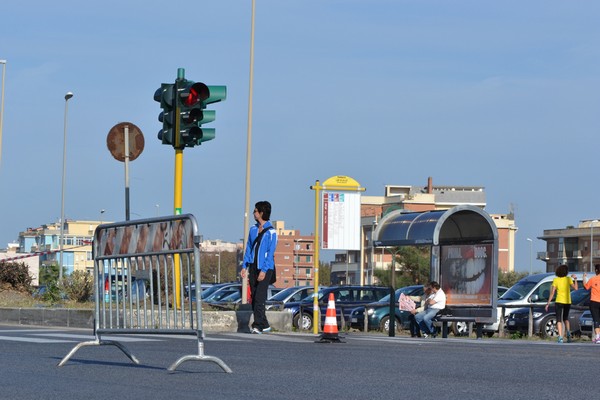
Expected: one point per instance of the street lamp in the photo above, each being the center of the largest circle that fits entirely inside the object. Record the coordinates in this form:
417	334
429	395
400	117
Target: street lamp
62	199
3	62
530	256
248	148
592	244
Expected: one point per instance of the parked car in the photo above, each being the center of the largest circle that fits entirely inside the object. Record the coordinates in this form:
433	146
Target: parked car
206	292
531	289
347	298
192	288
291	294
230	297
586	324
544	322
379	312
502	290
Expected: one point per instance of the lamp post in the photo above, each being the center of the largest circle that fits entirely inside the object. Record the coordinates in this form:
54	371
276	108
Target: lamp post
3	62
62	198
530	256
592	244
248	148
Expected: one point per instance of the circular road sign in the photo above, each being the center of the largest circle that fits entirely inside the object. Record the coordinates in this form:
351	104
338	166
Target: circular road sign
115	141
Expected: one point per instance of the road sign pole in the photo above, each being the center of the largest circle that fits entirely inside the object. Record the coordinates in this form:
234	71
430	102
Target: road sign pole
126	140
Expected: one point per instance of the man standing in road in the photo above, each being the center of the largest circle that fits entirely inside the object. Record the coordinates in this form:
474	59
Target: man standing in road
434	304
259	263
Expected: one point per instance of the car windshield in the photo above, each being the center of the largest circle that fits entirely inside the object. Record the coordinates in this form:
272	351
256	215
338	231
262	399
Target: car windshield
579	296
407	290
208	291
233	297
281	296
519	290
217	296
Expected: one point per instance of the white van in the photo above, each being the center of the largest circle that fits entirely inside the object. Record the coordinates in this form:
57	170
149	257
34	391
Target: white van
533	289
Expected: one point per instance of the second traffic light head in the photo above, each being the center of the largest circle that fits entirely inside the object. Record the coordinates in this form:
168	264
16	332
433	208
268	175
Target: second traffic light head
165	95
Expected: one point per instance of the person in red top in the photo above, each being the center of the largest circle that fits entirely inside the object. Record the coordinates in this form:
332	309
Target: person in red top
594	285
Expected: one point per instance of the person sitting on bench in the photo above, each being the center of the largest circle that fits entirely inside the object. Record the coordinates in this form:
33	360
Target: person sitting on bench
435	303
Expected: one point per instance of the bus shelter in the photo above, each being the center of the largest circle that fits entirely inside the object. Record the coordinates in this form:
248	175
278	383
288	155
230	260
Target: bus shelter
464	256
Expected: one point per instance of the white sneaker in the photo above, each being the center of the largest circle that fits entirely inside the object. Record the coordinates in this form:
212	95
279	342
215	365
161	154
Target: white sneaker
256	331
268	329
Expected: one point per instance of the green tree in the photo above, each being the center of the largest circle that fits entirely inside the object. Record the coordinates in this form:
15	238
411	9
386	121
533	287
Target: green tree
16	274
508	279
78	286
324	274
412	267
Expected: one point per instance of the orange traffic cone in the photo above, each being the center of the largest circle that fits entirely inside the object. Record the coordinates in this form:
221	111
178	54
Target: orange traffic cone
330	330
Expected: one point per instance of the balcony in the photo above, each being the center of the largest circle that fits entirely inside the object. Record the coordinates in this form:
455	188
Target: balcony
569	255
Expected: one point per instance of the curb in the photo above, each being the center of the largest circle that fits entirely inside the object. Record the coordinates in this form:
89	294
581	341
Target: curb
212	321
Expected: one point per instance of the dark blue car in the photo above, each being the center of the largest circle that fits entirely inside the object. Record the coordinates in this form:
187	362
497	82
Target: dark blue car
379	312
347	298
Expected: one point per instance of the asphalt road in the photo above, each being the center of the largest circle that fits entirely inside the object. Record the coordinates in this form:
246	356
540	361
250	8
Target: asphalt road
293	366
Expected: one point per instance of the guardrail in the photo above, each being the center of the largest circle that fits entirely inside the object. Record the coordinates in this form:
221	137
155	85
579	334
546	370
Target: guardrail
140	270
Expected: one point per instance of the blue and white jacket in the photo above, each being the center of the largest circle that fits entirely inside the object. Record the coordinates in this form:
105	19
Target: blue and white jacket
266	251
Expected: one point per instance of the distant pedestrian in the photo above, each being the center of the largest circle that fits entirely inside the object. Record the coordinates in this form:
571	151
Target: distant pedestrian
562	285
435	303
259	263
594	285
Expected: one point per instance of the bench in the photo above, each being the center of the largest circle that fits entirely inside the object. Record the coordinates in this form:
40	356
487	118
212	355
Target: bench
445	316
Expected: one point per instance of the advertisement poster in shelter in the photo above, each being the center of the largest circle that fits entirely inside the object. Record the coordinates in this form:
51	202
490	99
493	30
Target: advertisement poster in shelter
466	274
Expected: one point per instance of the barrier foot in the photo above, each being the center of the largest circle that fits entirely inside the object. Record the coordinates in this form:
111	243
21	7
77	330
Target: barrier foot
216	360
325	338
98	342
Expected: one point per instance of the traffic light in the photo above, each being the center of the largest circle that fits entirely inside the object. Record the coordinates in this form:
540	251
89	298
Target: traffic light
192	100
165	95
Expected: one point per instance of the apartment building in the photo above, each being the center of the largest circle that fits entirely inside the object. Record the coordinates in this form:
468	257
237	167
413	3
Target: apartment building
294	257
77	244
575	246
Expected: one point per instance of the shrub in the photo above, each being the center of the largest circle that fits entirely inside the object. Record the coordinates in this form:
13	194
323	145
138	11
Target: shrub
78	286
16	275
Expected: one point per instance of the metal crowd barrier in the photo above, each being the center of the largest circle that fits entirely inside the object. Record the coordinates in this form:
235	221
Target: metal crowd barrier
142	269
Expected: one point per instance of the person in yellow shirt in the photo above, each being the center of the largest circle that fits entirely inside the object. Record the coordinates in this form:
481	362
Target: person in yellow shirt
561	285
594	284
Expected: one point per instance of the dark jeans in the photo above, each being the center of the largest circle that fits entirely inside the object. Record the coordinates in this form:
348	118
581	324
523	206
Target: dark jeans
258	291
414	326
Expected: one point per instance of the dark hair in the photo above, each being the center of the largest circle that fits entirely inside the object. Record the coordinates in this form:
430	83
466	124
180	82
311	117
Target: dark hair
562	270
597	268
434	285
264	207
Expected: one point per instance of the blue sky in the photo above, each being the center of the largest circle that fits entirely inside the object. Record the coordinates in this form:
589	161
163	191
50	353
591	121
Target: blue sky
503	95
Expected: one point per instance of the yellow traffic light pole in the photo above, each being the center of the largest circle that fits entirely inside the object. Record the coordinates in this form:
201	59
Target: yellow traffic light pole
316	320
178	185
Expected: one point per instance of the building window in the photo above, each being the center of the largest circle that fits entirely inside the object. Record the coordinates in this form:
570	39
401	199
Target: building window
307	271
308	258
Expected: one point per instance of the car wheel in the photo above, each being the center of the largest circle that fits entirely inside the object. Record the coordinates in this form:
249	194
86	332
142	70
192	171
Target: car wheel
306	321
460	328
548	327
384	325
